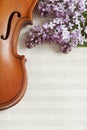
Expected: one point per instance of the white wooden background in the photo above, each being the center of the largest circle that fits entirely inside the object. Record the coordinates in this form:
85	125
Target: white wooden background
56	96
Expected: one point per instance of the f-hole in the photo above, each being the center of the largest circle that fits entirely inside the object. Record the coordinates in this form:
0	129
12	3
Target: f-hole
9	24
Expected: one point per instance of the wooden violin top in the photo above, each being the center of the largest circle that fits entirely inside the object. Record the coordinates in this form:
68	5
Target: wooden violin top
14	14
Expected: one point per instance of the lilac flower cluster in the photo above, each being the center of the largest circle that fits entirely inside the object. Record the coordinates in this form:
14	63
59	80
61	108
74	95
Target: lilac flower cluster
60	8
68	28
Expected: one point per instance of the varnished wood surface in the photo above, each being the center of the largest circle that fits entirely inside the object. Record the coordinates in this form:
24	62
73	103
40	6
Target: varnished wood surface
14	15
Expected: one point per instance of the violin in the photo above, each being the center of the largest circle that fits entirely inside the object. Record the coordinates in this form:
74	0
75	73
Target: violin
14	15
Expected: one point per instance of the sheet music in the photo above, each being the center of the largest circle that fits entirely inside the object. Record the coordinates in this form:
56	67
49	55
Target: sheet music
56	96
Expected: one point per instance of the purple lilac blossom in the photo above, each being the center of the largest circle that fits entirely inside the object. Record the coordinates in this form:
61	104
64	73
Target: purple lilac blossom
64	29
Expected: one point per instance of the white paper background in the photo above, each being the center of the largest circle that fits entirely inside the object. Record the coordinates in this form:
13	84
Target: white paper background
56	96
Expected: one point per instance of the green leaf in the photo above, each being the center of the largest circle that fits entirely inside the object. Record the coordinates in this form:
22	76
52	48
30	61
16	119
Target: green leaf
84	45
84	14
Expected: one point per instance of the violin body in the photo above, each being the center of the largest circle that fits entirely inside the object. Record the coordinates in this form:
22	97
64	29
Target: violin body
14	14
